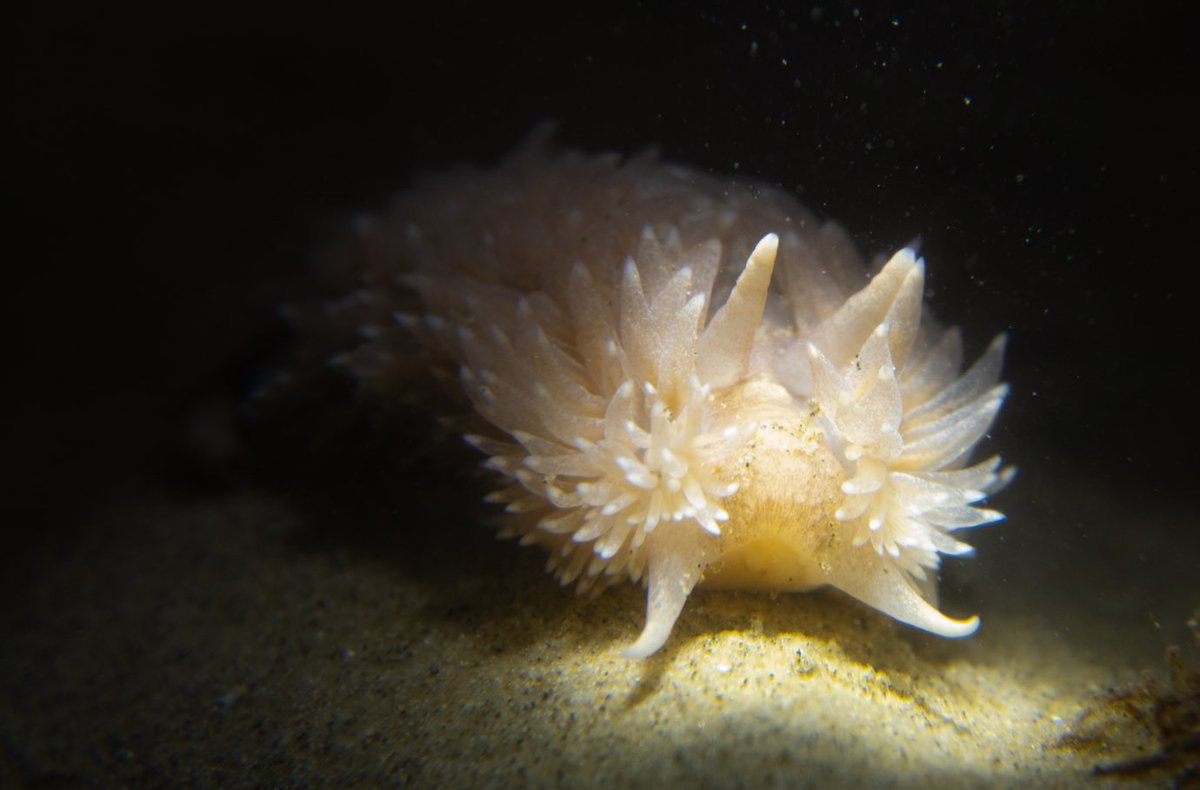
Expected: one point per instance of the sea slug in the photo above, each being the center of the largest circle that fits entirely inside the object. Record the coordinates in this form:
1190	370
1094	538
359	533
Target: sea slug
681	380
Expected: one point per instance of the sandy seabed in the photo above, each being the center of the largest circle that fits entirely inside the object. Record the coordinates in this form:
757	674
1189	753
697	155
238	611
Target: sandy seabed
251	637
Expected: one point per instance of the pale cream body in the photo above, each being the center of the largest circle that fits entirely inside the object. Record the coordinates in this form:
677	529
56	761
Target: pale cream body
650	418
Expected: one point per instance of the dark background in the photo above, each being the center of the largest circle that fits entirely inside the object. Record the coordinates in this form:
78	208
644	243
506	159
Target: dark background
173	172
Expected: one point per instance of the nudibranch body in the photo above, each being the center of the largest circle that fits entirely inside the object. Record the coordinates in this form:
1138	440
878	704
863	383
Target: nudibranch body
679	380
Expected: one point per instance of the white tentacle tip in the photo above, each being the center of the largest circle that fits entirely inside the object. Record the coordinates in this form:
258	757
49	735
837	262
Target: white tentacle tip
957	629
653	637
765	250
